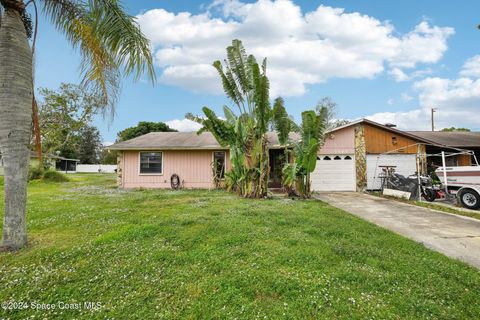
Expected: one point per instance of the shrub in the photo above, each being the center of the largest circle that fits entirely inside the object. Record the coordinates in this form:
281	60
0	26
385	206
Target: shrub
35	173
54	176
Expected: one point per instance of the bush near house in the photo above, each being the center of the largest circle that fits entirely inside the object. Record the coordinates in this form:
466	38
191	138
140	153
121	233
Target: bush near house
164	254
35	173
54	176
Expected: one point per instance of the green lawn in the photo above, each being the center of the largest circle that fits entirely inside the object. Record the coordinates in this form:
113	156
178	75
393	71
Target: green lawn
150	254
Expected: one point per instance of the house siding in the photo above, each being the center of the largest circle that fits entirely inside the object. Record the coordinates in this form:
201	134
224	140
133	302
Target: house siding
339	142
464	160
192	166
380	141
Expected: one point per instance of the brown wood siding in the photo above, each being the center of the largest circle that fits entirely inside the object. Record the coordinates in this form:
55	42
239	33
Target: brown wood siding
464	160
379	141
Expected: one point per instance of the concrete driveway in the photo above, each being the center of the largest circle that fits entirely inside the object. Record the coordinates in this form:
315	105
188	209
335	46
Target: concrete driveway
455	236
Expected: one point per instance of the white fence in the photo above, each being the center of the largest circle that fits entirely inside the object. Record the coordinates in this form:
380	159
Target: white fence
96	168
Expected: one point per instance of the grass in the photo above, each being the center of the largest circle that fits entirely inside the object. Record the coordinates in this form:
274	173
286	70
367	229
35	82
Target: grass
149	254
433	206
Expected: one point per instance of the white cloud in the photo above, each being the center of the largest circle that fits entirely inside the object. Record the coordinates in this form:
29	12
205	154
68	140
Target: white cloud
425	44
391	101
302	48
471	67
199	77
107	143
455	95
406	97
183	125
457	102
408	120
399	75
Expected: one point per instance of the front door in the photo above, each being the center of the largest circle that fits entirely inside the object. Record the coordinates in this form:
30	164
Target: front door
277	161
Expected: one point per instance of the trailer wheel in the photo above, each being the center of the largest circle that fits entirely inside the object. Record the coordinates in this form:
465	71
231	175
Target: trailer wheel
470	199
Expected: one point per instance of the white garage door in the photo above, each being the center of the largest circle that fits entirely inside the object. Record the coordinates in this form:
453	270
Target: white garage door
406	164
334	173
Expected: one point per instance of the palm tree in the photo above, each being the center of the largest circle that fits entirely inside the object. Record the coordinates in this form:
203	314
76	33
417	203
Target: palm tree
110	43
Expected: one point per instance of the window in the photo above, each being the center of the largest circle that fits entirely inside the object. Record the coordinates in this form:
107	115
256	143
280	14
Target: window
219	164
151	162
348	158
337	158
327	158
394	140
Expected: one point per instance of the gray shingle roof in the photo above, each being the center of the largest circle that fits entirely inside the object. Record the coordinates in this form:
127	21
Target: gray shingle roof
452	139
182	141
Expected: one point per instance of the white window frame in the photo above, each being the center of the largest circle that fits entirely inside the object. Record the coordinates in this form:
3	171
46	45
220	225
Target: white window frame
224	161
140	163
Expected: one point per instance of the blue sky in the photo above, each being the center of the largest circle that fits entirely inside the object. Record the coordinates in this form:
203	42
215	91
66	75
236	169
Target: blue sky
387	60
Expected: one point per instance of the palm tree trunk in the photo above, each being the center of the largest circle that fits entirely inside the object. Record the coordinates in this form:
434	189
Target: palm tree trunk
15	124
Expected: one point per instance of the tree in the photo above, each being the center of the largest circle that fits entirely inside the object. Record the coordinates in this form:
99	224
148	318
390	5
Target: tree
296	174
108	156
65	115
246	84
110	43
90	146
142	128
453	129
331	108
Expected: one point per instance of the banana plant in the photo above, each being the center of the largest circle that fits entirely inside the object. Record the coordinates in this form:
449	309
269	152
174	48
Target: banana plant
303	153
246	84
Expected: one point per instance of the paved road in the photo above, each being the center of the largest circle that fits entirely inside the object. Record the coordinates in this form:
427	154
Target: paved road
455	236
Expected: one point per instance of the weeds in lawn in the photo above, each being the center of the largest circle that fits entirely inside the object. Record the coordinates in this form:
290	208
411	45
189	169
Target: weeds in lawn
160	254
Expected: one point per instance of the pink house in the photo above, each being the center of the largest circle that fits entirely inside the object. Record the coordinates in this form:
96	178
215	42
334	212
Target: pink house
351	158
150	161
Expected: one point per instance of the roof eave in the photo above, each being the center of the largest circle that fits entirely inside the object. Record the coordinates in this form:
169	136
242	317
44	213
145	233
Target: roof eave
164	148
381	126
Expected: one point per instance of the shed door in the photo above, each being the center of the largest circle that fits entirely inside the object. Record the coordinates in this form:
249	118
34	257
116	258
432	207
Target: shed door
334	173
406	164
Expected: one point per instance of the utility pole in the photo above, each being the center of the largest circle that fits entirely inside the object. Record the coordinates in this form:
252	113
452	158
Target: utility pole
433	120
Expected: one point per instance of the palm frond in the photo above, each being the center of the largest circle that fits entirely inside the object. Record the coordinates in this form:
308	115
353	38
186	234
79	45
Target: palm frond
121	34
108	39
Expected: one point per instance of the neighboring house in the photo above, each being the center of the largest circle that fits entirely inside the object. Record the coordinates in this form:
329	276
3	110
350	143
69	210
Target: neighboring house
149	161
33	161
53	161
451	142
65	164
350	159
353	156
60	163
